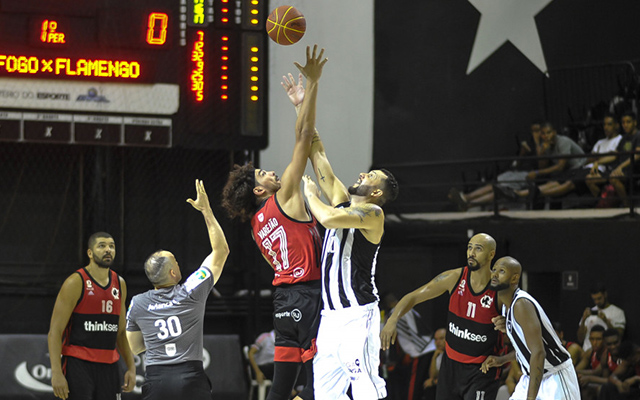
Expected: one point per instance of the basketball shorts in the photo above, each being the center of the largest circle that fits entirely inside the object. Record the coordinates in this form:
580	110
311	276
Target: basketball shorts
91	380
561	384
186	380
459	381
349	354
296	316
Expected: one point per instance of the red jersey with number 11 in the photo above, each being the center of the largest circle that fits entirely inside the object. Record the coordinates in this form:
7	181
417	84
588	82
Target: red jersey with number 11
291	247
471	336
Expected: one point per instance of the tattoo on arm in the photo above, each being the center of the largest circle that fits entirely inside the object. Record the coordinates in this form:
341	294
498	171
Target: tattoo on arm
322	177
363	212
441	277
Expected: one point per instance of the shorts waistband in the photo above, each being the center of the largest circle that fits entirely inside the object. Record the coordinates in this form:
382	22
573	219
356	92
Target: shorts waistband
183	366
300	285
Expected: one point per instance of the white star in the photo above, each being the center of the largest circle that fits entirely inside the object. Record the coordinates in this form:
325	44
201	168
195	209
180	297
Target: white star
511	20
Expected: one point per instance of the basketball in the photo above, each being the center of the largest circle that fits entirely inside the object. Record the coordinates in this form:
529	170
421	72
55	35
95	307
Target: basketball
286	25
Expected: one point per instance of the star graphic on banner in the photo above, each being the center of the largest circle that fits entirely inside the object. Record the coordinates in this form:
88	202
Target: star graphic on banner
508	20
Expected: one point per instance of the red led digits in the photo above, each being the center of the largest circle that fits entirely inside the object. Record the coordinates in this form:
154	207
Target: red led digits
48	32
157	21
197	74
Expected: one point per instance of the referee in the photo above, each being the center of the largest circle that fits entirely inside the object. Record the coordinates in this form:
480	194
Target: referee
167	321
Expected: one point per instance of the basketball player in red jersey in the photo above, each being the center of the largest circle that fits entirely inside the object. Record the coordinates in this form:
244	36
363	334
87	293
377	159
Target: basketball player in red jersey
471	336
87	326
287	235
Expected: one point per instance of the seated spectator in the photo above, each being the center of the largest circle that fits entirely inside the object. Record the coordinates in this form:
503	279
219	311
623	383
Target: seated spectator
261	355
572	347
434	367
602	313
515	178
558	170
624	382
510	382
621	177
576	178
590	369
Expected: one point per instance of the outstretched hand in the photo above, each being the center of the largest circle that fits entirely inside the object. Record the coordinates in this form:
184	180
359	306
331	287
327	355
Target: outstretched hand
294	91
201	203
310	187
313	69
388	335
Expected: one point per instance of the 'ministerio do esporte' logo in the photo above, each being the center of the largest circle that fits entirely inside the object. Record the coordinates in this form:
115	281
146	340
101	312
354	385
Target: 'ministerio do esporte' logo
92	96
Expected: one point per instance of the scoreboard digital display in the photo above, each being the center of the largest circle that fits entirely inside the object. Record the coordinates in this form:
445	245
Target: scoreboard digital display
167	73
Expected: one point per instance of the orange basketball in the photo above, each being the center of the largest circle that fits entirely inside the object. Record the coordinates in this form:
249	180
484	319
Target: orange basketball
286	25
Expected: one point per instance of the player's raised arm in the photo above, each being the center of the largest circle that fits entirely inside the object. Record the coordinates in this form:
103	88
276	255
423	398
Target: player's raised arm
219	247
305	125
437	286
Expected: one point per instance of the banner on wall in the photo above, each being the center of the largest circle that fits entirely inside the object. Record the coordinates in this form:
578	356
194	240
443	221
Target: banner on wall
26	372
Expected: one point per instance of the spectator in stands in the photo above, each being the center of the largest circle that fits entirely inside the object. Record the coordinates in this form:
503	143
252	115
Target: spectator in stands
602	313
575	179
432	381
515	178
621	177
624	382
590	369
261	355
556	169
417	342
572	347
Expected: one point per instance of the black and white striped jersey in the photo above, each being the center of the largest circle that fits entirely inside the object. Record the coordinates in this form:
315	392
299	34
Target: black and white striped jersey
348	268
556	353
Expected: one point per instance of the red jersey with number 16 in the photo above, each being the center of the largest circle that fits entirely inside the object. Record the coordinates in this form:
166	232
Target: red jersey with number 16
471	336
93	327
291	247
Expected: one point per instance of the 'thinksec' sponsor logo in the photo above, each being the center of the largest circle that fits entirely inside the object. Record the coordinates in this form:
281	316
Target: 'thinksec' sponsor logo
465	334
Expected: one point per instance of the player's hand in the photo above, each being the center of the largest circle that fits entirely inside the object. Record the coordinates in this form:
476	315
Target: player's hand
310	187
500	323
201	203
313	69
490	362
388	335
129	381
60	385
294	91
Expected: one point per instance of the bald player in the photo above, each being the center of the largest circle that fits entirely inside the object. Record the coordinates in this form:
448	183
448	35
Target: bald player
471	336
167	321
547	368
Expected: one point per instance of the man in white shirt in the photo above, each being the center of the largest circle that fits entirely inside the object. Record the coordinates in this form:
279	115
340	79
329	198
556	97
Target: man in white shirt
602	313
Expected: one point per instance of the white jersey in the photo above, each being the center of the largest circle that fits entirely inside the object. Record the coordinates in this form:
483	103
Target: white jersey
171	319
556	353
348	269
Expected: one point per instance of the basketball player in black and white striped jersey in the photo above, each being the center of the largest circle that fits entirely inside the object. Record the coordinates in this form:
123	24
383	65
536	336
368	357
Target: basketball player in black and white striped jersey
547	369
348	338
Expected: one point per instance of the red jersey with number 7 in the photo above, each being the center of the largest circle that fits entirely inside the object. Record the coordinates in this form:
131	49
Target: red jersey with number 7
291	247
92	330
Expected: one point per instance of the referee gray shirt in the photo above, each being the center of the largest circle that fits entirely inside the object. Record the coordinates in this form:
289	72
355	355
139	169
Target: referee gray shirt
171	319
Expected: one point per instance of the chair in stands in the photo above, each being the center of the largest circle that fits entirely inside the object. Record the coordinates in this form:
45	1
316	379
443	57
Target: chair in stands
253	383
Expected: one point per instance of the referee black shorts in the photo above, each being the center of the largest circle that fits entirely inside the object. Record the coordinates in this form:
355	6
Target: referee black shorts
186	380
296	317
91	380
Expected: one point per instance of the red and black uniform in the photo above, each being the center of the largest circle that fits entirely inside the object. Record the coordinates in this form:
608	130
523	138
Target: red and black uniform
292	248
471	338
89	340
595	359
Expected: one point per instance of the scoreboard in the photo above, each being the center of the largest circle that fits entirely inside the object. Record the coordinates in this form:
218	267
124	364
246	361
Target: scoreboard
165	73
